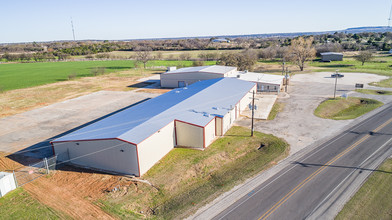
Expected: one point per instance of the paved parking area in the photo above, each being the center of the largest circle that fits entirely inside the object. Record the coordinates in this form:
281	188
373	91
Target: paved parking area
264	104
30	132
297	123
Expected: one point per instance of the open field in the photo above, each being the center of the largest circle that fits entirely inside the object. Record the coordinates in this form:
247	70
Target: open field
381	64
343	109
24	75
19	204
21	100
373	200
194	54
188	178
374	92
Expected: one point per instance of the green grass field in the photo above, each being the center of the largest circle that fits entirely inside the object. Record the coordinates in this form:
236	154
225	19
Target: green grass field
343	109
381	65
189	178
24	75
18	204
373	200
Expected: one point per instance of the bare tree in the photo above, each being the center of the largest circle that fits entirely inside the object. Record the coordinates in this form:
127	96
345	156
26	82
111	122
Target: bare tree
302	50
364	56
143	54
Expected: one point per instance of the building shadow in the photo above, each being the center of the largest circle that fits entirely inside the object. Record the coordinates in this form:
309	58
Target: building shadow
44	149
361	169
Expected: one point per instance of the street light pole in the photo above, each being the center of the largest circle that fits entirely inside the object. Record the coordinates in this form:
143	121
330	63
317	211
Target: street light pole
336	82
253	112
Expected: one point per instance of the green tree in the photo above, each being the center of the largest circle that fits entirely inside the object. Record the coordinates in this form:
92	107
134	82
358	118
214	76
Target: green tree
364	56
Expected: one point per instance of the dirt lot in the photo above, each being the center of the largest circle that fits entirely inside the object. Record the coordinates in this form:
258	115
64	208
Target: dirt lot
297	124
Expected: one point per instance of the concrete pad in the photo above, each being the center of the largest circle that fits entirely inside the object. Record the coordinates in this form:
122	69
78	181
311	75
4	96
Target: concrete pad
348	79
264	104
34	129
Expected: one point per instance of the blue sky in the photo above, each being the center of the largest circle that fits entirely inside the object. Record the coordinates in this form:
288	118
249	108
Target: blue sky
44	20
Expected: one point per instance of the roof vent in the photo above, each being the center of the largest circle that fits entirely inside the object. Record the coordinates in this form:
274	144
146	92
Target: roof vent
177	91
206	115
238	76
215	108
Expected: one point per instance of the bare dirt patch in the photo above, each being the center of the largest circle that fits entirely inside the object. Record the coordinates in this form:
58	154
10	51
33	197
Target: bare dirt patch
75	191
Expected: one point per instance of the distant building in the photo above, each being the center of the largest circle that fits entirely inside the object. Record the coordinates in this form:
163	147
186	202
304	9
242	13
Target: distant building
390	51
221	40
186	76
331	56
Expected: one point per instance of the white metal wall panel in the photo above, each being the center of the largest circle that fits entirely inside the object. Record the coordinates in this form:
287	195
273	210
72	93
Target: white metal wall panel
244	102
111	155
171	80
7	183
209	132
189	135
155	147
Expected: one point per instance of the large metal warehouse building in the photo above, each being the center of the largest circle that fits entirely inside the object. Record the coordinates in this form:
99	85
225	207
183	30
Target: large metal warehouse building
186	76
133	140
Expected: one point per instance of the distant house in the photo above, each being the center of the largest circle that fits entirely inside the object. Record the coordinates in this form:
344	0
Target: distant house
331	56
390	51
221	40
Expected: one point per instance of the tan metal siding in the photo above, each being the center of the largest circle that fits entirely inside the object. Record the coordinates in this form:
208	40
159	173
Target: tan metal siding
155	147
209	132
189	135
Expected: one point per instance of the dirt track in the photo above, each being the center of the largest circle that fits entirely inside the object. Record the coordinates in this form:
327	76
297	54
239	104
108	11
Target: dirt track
74	193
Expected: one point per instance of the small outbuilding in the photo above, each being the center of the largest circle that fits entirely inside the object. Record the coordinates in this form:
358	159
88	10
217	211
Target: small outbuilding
265	82
185	76
133	140
331	56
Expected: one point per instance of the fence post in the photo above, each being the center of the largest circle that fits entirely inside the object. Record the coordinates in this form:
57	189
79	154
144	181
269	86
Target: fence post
46	165
16	181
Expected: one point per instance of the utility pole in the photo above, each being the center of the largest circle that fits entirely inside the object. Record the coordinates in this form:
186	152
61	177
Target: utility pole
336	82
73	30
253	112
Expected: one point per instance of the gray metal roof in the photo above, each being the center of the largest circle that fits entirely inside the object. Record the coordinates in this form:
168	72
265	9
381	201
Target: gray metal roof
209	69
197	104
331	53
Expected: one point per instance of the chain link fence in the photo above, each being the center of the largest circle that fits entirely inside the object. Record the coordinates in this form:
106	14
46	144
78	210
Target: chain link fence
33	171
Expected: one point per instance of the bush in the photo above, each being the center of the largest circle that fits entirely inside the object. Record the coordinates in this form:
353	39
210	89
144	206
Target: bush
72	76
198	63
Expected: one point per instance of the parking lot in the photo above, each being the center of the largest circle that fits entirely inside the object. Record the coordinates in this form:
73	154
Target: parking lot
296	123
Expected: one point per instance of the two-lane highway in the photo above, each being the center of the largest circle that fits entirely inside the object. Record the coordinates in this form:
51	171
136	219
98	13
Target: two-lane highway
314	186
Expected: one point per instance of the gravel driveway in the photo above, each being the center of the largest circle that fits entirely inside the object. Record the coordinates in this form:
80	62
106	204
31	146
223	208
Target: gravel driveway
297	123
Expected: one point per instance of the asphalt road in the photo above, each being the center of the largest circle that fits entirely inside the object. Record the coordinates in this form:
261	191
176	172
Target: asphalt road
317	185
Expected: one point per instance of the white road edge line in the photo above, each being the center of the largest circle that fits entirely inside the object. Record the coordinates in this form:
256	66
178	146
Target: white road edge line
346	132
327	197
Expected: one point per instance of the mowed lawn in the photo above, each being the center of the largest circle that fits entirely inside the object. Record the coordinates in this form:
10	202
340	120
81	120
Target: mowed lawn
374	198
24	75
